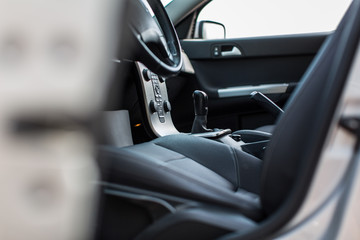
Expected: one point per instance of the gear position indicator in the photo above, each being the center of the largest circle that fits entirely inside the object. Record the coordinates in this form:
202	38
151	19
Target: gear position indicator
158	104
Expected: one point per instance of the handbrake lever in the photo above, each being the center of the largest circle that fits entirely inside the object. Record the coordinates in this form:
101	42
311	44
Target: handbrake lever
266	103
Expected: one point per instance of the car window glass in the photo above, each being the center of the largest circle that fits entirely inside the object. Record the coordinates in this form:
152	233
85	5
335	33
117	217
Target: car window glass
166	2
250	18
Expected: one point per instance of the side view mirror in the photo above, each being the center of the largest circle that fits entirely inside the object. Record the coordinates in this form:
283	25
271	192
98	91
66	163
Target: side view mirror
211	30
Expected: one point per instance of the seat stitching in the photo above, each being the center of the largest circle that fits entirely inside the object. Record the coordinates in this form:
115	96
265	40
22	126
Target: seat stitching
176	159
236	162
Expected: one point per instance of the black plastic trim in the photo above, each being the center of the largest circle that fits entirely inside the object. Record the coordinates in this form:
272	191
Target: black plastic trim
299	44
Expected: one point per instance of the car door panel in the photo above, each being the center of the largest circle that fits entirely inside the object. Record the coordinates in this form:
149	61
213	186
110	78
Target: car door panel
263	61
272	65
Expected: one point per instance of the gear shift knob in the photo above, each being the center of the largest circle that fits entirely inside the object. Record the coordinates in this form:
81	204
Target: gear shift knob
200	103
201	111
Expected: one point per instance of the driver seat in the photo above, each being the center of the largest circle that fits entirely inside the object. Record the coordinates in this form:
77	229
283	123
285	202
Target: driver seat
213	174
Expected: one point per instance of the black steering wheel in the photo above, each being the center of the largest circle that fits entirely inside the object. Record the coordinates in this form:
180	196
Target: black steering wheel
156	42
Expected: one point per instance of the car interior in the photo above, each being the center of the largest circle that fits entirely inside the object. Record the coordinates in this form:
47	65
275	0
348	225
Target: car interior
206	139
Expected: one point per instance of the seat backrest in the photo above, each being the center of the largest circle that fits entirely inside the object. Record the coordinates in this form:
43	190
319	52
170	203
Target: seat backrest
301	131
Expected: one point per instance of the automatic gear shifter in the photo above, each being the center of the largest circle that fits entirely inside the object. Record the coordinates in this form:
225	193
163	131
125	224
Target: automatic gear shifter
201	110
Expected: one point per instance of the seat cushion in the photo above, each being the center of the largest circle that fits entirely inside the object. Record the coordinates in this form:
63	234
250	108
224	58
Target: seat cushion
188	167
266	128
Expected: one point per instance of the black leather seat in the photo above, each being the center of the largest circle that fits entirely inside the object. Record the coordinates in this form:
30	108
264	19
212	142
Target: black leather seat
266	128
189	167
213	173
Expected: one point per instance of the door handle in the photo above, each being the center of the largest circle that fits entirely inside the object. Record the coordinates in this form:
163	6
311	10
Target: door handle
226	50
230	51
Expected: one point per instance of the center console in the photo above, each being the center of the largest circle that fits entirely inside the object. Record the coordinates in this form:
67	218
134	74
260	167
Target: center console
157	105
158	116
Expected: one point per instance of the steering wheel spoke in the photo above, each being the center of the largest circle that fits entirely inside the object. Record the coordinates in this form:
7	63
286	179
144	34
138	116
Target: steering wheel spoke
158	46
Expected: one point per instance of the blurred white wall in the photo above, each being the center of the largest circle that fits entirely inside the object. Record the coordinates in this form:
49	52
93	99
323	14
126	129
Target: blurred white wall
55	62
